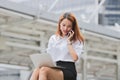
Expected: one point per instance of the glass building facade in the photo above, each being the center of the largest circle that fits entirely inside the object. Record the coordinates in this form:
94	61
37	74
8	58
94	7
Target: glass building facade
110	13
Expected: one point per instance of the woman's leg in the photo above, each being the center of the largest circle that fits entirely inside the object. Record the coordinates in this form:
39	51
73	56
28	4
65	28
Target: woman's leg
35	74
47	73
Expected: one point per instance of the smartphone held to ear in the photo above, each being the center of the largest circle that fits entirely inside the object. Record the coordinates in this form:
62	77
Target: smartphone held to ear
69	33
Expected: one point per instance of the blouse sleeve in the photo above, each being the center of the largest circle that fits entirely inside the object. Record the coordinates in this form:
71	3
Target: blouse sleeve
51	45
50	42
78	46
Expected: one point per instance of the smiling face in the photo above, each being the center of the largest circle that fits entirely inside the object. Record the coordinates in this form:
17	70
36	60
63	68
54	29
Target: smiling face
68	22
65	26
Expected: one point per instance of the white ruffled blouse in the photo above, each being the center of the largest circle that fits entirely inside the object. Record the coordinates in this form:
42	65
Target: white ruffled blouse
57	48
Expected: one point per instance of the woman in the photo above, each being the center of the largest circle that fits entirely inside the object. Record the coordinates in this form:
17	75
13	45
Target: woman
65	48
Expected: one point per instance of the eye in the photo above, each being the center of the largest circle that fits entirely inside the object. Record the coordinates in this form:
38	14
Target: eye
69	26
62	24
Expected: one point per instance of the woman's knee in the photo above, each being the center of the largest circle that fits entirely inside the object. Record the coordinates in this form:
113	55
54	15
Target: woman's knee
44	70
36	70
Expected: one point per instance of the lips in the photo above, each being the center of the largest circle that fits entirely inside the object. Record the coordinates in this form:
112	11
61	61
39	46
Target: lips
65	31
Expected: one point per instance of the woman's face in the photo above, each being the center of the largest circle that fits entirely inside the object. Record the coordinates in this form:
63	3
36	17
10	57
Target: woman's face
65	26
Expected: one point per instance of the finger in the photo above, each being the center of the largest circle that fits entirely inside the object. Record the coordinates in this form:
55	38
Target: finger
71	35
72	31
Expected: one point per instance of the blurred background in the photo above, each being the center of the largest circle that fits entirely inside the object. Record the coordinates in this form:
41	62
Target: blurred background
26	25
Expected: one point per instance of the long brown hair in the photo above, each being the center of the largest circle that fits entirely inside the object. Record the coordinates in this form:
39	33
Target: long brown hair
77	34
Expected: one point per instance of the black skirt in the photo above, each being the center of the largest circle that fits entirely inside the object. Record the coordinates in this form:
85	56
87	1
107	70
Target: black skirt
68	68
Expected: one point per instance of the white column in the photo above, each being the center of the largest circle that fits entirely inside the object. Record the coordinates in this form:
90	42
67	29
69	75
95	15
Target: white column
118	65
24	74
85	68
84	64
96	15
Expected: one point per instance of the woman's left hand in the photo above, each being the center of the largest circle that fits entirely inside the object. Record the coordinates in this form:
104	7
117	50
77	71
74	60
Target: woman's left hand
70	35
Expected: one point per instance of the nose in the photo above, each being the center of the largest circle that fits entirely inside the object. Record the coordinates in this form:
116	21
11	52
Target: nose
65	28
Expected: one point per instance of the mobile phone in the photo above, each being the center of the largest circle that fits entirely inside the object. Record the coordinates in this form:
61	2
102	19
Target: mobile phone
68	34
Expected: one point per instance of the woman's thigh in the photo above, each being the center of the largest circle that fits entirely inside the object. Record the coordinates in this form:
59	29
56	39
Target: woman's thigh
54	74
